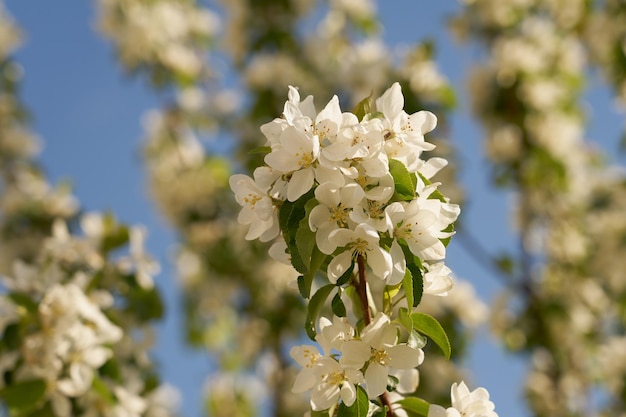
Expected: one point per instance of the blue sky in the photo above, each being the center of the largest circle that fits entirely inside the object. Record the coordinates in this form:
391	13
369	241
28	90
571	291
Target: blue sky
88	114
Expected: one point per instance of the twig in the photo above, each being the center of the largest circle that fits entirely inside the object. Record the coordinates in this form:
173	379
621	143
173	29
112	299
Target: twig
367	319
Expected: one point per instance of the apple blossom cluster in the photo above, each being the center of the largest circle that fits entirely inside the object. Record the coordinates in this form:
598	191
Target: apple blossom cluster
376	345
187	182
605	35
9	34
465	403
344	194
28	202
72	326
166	34
528	96
348	165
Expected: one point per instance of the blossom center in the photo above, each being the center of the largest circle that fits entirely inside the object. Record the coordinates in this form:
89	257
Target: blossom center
251	199
339	215
359	246
406	231
375	209
380	356
312	356
305	159
334	378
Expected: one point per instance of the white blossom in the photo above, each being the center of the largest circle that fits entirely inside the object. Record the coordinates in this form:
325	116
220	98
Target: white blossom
465	403
362	241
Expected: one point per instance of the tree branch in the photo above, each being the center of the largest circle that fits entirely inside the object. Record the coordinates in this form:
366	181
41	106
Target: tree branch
367	319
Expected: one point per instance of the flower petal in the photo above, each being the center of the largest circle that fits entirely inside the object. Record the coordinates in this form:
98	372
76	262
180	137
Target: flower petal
376	379
301	182
338	265
404	357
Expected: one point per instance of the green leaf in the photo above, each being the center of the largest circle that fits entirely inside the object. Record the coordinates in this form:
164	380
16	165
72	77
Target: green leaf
345	277
264	150
145	304
359	408
448	229
404	186
429	326
416	340
339	309
24	300
364	107
305	237
382	412
315	306
115	234
505	264
111	369
289	217
407	284
417	282
405	319
103	391
392	383
317	260
24	396
302	286
388	294
435	195
414	406
283	216
11	337
45	411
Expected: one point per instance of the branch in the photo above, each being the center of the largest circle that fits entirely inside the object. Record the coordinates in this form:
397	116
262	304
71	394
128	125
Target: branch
485	259
367	319
362	290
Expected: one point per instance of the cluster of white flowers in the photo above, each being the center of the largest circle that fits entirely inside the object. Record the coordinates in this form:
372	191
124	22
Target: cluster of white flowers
71	345
368	201
188	184
166	33
9	34
465	403
62	323
367	357
347	162
528	97
605	34
27	197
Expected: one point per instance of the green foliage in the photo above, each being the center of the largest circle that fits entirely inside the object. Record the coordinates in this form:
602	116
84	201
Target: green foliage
145	304
23	397
429	326
346	276
381	412
24	300
315	307
407	285
403	182
290	217
11	337
415	407
415	288
261	150
339	309
103	391
358	409
364	107
505	263
115	235
306	257
405	318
